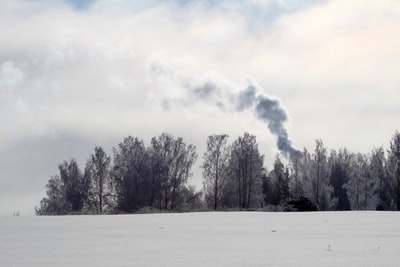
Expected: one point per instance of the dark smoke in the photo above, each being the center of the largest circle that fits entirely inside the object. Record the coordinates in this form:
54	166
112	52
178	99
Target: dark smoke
246	98
271	112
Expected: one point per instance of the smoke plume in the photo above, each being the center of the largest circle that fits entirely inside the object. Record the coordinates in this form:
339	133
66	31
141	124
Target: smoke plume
228	97
270	111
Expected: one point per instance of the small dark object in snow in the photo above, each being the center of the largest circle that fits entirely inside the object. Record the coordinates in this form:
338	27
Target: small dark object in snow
300	204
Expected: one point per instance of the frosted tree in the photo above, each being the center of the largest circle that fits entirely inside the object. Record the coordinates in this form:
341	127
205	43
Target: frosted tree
97	172
356	185
306	175
76	185
173	169
280	176
371	187
215	168
159	167
54	203
393	170
322	191
268	189
377	173
246	166
181	159
296	184
66	192
130	173
340	168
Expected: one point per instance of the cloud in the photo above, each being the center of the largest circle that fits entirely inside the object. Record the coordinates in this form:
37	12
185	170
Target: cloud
11	75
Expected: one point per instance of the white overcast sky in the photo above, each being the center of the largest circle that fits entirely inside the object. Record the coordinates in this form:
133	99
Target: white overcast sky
75	74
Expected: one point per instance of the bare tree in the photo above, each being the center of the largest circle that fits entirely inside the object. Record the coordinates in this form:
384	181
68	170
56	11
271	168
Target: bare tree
393	169
340	169
377	171
215	167
157	152
182	158
356	184
75	184
54	203
296	188
130	173
321	188
246	166
306	174
171	163
281	178
97	172
66	192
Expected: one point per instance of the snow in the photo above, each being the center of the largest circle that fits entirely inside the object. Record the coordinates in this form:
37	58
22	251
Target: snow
203	239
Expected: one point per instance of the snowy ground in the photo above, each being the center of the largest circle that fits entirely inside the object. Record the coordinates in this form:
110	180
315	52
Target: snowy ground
203	239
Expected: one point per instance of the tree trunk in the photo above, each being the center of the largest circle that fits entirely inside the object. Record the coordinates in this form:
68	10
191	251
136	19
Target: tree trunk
398	172
318	181
216	193
216	183
250	181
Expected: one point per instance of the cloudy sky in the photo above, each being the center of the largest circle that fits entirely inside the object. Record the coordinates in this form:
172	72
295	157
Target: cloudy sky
75	74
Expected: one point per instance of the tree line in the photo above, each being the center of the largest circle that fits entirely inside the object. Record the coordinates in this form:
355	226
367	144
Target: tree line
139	178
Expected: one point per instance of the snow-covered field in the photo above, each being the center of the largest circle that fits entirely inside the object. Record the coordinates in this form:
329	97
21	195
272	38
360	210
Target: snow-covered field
203	239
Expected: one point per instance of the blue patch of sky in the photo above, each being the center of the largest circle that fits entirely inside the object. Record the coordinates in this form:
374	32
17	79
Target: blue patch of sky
258	16
281	5
80	4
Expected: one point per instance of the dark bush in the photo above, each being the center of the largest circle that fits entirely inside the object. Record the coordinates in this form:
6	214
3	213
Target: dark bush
300	204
